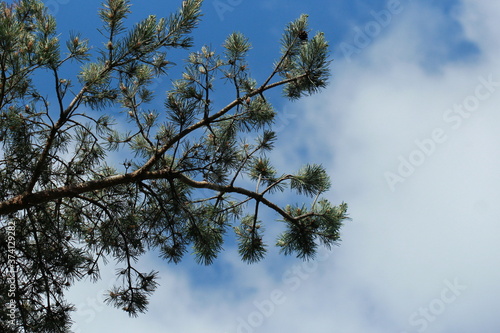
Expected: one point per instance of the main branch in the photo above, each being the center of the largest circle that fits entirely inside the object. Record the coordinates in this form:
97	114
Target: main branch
27	200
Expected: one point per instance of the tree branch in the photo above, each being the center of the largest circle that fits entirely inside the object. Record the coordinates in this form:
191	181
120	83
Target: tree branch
207	120
27	200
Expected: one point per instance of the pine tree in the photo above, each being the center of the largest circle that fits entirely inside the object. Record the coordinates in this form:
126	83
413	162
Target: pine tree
65	207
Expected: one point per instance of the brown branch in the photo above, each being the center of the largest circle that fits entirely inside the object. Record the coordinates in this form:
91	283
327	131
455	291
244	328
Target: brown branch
50	140
208	120
233	189
27	200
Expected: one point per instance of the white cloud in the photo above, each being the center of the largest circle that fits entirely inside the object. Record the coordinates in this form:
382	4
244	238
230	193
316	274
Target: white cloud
441	223
404	248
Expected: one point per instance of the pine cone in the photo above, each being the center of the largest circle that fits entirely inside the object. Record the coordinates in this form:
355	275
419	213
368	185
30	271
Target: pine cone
302	35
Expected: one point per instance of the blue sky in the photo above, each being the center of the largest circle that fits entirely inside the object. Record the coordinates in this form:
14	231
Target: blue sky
408	130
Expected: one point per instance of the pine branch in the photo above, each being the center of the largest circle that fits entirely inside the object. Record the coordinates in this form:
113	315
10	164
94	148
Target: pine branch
203	122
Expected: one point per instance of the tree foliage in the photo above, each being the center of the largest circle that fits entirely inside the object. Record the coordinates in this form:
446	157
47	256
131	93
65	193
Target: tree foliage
65	207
